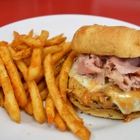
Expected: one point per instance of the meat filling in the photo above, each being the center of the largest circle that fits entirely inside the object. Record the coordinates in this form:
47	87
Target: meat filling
121	71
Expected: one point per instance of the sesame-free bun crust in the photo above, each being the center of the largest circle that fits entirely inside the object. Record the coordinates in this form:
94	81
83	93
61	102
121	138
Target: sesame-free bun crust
101	40
75	93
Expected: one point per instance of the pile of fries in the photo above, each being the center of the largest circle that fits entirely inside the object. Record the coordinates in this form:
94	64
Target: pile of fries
33	77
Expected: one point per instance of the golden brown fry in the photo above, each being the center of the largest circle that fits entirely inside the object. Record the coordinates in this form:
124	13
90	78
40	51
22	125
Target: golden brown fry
1	98
50	109
31	33
44	93
73	111
35	65
63	79
25	86
41	85
52	50
22	54
44	35
32	42
3	43
55	40
40	76
23	68
57	56
57	67
76	127
16	42
59	122
27	61
14	76
29	108
10	100
38	109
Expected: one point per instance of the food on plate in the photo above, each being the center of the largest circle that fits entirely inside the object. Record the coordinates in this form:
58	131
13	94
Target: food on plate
105	77
10	102
25	65
75	125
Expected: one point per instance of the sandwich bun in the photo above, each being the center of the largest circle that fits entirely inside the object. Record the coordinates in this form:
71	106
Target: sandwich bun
101	40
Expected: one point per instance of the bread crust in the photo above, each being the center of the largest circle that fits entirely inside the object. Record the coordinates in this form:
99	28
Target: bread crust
75	92
101	40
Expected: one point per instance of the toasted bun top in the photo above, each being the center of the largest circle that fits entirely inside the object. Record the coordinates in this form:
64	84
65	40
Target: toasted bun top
101	40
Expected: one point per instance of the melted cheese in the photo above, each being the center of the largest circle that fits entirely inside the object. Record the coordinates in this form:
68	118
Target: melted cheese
127	102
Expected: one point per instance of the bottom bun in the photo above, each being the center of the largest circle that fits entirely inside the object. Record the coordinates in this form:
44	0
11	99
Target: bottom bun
75	92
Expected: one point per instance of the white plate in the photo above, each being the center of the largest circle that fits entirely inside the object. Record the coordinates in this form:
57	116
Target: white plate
29	129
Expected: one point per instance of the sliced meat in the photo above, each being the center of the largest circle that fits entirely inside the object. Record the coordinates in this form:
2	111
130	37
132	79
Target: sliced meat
123	72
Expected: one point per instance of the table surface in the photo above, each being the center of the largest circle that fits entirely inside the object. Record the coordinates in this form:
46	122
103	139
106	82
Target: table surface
14	10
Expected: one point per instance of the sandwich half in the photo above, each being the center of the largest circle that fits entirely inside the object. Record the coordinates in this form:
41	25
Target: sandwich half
104	80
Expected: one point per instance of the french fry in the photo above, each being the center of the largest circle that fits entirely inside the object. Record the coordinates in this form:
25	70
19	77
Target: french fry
50	109
41	85
63	79
16	42
57	56
36	58
38	109
1	98
35	65
55	40
24	53
3	43
73	111
30	33
10	100
59	122
76	127
29	108
43	36
32	42
27	61
44	93
51	49
57	67
14	76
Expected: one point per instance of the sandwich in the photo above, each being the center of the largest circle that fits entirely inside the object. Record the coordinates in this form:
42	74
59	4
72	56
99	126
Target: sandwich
104	80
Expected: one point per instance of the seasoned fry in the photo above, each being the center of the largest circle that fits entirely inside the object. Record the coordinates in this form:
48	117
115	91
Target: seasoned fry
55	40
14	76
50	109
35	65
10	100
1	98
38	109
73	111
51	49
3	43
63	79
57	56
76	127
32	42
59	122
30	33
57	67
41	85
24	53
44	93
27	61
29	108
43	36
